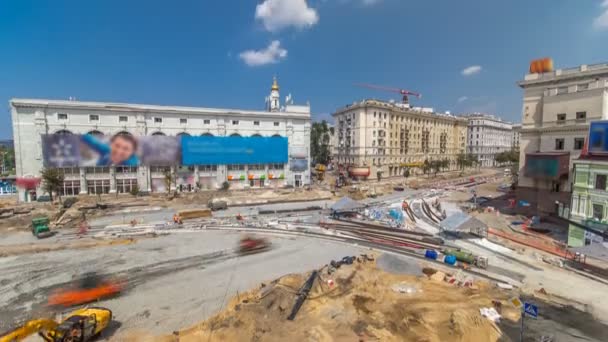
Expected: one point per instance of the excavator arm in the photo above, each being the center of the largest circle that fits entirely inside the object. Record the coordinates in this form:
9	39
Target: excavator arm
30	328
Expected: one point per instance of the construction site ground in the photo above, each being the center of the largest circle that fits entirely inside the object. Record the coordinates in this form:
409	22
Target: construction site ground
192	281
362	302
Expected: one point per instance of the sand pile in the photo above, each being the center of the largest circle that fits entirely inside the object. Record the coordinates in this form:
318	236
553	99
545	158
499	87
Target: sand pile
357	302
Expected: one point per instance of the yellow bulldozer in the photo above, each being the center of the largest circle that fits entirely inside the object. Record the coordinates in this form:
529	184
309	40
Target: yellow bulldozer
81	325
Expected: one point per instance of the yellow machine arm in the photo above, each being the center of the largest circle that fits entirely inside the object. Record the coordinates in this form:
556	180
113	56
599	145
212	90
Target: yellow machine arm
29	328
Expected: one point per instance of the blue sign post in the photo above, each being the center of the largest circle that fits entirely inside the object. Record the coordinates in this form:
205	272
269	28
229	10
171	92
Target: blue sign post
527	309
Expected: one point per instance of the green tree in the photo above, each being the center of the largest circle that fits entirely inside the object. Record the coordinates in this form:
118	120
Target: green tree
52	180
225	186
169	178
319	143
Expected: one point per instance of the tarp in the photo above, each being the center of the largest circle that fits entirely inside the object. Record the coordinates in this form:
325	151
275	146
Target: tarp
460	221
595	250
346	204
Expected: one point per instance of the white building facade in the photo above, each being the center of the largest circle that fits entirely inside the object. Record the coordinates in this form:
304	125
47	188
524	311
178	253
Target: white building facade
487	137
35	117
557	109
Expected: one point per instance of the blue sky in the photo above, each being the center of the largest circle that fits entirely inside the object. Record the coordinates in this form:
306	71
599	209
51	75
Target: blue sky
224	53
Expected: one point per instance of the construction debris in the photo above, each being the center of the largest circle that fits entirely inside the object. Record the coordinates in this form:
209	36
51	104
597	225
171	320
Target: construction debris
356	304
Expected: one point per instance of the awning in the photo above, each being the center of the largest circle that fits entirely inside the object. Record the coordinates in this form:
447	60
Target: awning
547	165
347	204
461	222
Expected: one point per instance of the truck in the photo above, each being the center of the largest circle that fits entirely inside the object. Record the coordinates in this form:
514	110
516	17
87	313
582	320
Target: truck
468	257
40	227
216	204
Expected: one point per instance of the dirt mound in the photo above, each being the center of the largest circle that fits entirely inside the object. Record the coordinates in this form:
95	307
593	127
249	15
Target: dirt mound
358	302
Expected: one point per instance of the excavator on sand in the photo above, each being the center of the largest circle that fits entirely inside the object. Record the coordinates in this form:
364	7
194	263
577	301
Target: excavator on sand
81	325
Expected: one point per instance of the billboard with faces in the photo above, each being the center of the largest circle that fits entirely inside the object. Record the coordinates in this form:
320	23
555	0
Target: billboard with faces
124	149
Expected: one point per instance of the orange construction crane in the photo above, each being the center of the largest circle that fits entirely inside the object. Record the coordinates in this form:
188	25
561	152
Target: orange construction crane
403	92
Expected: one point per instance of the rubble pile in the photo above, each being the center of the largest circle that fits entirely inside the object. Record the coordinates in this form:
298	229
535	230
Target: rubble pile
353	300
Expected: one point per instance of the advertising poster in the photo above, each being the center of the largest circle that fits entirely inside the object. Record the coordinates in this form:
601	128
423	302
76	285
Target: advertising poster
598	137
205	150
122	149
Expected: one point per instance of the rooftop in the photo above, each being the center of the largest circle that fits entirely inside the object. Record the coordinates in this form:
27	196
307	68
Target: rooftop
134	107
399	107
565	74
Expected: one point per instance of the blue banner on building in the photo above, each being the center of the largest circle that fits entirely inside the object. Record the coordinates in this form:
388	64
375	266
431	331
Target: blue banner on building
598	137
205	150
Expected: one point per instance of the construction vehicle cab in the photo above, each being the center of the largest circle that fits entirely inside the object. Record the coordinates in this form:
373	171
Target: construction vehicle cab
40	227
80	326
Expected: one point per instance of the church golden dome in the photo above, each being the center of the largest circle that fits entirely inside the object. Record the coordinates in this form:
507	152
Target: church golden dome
275	85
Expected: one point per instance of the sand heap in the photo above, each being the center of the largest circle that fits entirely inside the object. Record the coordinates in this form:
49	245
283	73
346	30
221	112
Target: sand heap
357	302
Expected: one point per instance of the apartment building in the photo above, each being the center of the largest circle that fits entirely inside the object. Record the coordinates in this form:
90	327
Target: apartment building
488	136
384	139
558	106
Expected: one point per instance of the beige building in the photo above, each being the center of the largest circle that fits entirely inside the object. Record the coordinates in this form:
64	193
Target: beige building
375	138
557	109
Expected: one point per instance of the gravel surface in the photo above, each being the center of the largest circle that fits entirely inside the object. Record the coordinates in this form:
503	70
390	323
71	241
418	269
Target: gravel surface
175	281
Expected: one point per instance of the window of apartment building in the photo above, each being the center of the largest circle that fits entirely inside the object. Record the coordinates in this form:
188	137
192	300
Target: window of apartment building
124	186
158	120
581	115
579	143
97	170
256	167
598	211
559	144
600	182
235	122
276	166
385	116
98	186
256	123
62	116
562	90
126	169
206	122
374	114
207	168
183	121
93	117
561	117
276	123
70	188
582	87
123	118
236	167
373	133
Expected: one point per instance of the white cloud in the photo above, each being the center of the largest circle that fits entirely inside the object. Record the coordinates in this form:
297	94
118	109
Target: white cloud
601	22
279	14
462	99
472	70
271	54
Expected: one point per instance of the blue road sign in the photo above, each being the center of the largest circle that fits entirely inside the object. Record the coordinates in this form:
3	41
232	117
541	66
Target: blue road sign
531	310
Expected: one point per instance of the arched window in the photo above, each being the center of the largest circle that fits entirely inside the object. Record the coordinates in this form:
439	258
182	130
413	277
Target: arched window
207	135
235	135
276	136
256	135
64	132
183	134
158	133
96	133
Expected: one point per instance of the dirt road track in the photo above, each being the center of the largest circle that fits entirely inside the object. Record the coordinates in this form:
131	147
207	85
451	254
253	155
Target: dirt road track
174	281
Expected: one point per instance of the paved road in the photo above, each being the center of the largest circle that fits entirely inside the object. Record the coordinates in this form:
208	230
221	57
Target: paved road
176	280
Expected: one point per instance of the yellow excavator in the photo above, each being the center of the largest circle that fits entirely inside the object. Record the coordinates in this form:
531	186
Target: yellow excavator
79	326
